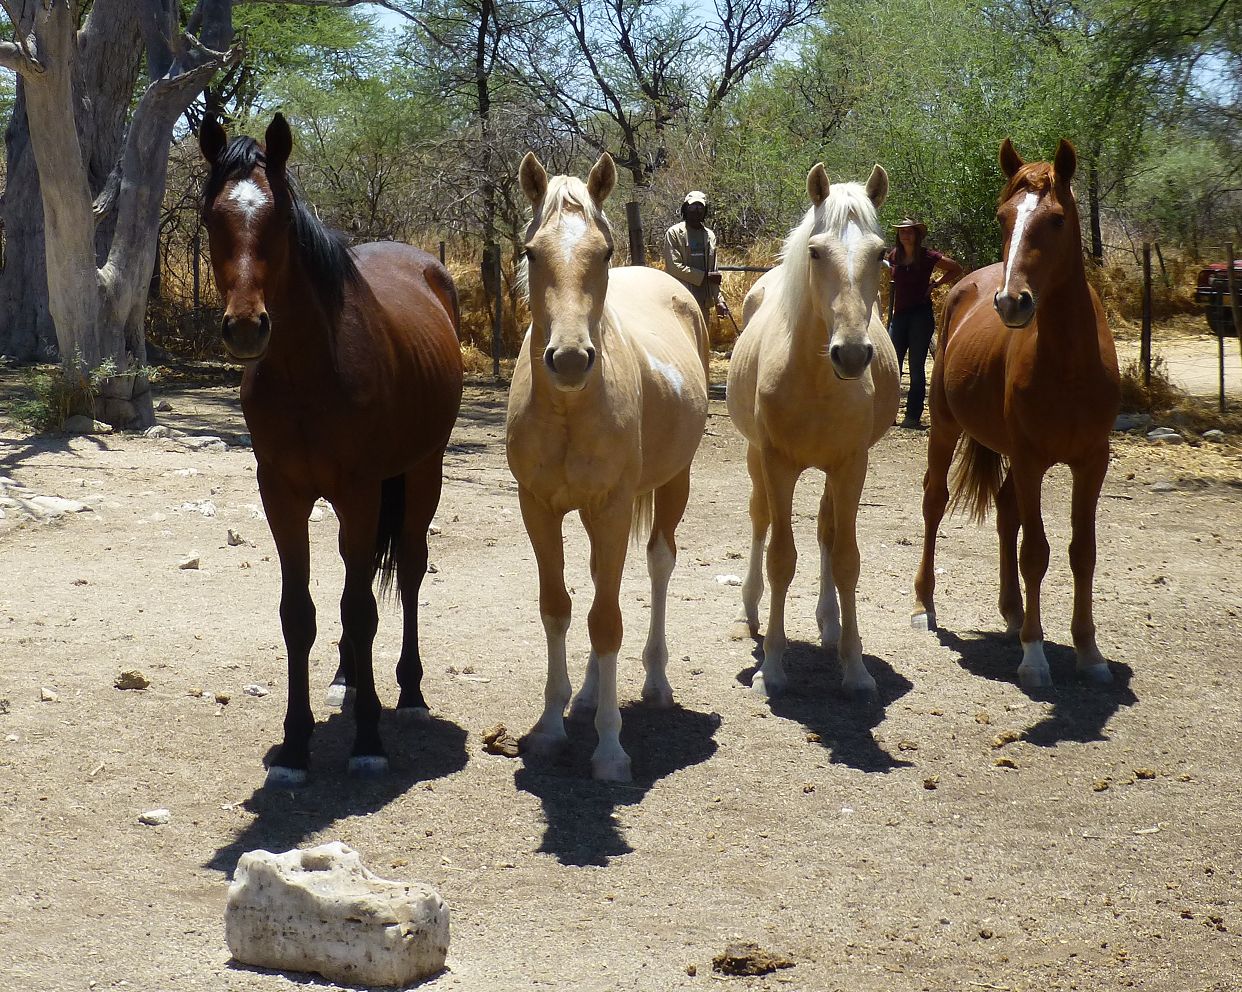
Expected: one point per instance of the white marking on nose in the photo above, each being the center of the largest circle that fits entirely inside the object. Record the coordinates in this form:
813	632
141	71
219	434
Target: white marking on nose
671	374
249	198
573	227
1025	209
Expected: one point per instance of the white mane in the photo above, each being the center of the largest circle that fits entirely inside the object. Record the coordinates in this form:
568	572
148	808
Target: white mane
846	202
562	191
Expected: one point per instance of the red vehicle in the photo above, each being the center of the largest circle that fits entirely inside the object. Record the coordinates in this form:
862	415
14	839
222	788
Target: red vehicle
1212	290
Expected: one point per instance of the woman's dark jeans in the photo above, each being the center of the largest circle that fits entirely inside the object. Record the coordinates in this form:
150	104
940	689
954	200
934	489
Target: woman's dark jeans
911	331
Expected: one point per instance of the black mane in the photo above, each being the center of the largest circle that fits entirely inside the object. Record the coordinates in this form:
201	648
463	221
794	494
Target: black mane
323	252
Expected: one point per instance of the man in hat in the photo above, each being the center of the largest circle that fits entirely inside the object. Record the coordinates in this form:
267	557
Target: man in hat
690	255
913	321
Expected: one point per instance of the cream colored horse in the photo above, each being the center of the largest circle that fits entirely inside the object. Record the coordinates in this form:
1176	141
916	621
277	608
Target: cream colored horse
606	410
813	384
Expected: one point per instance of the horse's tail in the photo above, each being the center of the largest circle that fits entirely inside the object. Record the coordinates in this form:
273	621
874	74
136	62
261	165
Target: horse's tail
643	518
977	478
388	534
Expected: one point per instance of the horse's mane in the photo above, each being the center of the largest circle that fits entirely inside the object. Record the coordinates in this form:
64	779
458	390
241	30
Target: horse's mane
562	191
1037	177
322	251
845	202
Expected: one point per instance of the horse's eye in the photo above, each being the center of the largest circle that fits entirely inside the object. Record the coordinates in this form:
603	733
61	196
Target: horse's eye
530	254
815	253
1058	220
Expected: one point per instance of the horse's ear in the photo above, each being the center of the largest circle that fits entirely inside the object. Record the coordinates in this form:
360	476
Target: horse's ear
278	143
817	184
532	178
602	179
212	139
877	186
1010	160
1065	162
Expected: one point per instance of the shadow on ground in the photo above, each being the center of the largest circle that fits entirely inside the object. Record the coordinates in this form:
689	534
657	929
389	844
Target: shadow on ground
419	750
581	826
1080	711
815	699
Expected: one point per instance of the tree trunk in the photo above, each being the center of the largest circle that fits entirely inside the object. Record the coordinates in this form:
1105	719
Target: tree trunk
1093	202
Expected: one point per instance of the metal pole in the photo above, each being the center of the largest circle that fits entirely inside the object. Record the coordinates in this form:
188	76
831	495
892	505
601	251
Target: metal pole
498	311
634	220
1235	305
1220	347
441	252
1145	340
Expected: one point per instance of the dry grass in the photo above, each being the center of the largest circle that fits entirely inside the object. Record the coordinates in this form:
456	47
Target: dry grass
1167	403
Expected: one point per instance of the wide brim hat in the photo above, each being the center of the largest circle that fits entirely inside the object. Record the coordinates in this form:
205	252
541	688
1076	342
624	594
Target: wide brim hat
916	225
695	196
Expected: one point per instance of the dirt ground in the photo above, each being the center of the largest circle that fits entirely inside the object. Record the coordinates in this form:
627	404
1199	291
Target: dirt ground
881	852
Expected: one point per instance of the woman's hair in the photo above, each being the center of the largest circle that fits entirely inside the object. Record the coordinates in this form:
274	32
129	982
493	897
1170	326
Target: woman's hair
918	244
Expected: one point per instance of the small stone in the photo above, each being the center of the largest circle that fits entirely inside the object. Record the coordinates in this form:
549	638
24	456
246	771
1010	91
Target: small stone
188	564
1005	763
1215	436
256	690
223	698
81	424
1099	785
316	514
813	738
1146	773
158	431
52	506
434	529
204	442
154	817
808	788
931	782
163	406
729	580
320	910
46	695
907	746
12	738
1162	487
4	707
747	958
986	933
433	568
196	692
235	539
498	740
204	506
1006	737
132	680
983	717
692	970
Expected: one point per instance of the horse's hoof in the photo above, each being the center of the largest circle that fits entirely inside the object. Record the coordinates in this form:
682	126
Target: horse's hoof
1098	674
419	713
1034	678
864	699
368	766
543	744
766	687
282	777
582	709
740	630
336	695
658	697
612	768
923	620
1013	626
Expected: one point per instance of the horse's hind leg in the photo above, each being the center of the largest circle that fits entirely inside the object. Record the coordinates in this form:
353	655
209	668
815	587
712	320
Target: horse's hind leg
1007	532
827	612
1088	479
779	477
543	526
287	514
941	441
760	519
670	504
422	496
1033	672
847	481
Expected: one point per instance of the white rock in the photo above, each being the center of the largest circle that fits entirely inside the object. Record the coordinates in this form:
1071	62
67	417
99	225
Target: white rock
316	514
1162	487
81	424
46	695
154	817
729	580
187	472
204	442
434	529
159	430
189	563
235	539
204	506
1214	435
254	689
52	506
320	910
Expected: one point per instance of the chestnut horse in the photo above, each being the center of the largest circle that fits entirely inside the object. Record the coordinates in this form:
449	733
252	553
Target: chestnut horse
352	383
813	384
606	411
1026	373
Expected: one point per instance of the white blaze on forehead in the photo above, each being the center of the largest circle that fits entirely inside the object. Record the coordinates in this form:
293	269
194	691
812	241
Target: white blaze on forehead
670	372
249	198
1025	209
573	227
852	238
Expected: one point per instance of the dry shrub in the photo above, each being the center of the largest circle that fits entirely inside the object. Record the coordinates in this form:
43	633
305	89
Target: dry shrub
1166	402
476	308
474	361
1119	284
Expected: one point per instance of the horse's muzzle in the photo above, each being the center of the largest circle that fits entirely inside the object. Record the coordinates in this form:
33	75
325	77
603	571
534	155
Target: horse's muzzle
1015	311
246	338
569	366
849	361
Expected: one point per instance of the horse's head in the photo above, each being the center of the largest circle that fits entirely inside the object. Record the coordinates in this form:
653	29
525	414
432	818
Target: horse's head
568	246
246	210
1039	220
843	255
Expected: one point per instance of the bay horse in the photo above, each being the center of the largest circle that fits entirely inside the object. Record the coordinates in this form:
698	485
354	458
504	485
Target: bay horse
813	384
352	383
606	409
1026	374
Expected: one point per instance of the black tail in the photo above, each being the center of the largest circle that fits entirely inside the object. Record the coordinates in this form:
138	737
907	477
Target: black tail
388	534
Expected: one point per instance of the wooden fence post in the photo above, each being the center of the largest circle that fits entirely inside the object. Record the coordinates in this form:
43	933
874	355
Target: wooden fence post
634	220
196	249
441	252
1145	340
1235	305
498	308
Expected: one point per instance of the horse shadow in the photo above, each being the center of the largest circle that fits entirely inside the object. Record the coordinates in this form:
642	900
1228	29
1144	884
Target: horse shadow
579	811
814	699
1080	712
419	750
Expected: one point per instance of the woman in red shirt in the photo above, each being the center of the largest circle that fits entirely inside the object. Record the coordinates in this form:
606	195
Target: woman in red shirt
913	321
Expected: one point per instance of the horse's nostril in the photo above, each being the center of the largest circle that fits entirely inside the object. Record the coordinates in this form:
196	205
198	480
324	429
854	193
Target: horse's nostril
1025	300
590	353
265	323
870	353
835	353
549	358
225	324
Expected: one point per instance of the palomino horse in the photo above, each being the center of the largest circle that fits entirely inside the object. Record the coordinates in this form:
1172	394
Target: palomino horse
606	410
352	383
813	383
1027	372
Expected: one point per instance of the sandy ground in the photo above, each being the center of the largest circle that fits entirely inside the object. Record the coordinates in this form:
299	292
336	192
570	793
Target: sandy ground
1107	857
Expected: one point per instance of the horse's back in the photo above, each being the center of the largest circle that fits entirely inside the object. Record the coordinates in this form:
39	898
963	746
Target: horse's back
655	307
764	286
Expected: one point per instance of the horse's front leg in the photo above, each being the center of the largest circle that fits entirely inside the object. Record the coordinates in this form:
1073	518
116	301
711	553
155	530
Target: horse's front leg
1033	672
827	610
779	477
760	519
543	527
608	527
287	513
1088	479
847	481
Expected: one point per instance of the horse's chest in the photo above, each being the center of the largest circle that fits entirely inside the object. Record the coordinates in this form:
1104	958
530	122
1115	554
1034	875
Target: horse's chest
566	466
